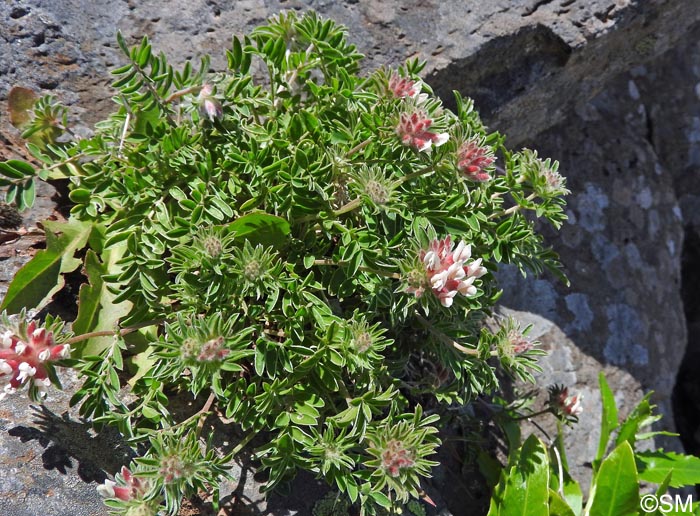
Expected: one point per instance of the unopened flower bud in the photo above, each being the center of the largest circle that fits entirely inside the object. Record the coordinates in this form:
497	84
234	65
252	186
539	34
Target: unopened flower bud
209	106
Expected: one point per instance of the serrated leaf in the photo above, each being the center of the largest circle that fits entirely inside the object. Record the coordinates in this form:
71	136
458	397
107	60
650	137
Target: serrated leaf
35	284
97	310
641	416
654	466
617	485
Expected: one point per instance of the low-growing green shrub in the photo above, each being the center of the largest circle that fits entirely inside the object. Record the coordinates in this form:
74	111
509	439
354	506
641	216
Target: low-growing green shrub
301	252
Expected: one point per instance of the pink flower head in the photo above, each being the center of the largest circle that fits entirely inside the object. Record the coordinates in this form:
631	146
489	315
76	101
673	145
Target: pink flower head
209	105
396	457
449	271
25	361
133	488
413	131
519	343
402	87
473	159
565	404
213	350
572	404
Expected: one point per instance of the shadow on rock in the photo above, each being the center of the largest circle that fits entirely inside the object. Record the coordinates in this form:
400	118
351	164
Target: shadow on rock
65	440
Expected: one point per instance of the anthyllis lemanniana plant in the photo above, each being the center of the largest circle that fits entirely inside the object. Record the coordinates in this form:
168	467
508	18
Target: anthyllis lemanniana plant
300	251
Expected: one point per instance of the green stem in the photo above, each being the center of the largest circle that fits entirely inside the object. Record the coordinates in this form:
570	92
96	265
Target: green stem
107	333
243	443
512	209
181	93
386	274
358	147
445	338
355	203
534	414
344	392
418	173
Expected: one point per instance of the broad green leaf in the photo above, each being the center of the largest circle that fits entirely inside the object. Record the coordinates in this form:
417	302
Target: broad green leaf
559	507
261	228
527	484
96	308
609	419
654	466
35	284
617	484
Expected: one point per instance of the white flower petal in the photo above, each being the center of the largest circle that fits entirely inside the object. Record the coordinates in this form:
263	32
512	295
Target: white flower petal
463	252
431	260
25	371
438	280
441	139
446	300
425	146
456	271
457	253
6	339
476	270
5	368
106	490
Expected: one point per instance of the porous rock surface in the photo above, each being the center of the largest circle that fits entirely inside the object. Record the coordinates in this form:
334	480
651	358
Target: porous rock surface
608	87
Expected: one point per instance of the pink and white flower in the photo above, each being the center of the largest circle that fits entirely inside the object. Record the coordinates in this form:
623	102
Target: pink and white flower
473	160
571	405
209	106
25	360
133	488
413	131
564	403
402	87
396	457
449	271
